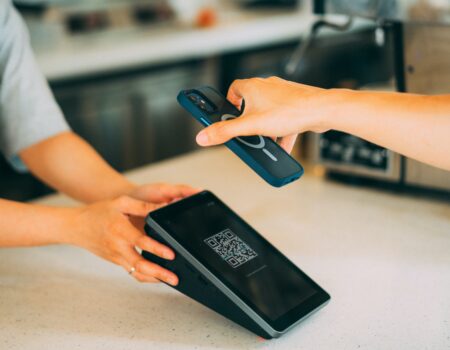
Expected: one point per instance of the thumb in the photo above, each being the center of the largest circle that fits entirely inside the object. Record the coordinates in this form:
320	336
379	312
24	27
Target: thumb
130	206
223	131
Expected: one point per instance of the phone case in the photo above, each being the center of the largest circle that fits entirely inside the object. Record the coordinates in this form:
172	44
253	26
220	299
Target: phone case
269	161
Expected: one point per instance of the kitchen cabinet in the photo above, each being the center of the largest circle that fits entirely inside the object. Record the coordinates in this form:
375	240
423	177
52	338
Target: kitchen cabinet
132	118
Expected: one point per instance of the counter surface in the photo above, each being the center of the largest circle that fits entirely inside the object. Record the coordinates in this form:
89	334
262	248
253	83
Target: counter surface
384	258
236	30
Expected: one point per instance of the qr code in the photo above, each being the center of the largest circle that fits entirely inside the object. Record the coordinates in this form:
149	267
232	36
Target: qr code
231	248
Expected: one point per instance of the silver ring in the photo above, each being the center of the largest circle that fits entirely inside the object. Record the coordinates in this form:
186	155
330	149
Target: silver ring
132	270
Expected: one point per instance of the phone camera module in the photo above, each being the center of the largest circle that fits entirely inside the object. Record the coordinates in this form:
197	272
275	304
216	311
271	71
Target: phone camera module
202	103
194	98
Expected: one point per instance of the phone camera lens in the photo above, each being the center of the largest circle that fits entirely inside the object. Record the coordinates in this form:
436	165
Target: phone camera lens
201	103
193	98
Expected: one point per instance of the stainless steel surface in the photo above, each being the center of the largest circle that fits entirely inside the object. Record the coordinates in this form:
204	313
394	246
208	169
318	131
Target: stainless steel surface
303	46
134	119
390	173
425	11
422	175
427	58
347	154
427	71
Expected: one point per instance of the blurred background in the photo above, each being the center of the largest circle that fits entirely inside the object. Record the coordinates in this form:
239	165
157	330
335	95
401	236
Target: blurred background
116	67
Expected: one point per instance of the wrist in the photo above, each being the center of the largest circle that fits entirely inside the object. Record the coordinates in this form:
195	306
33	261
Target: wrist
319	108
70	225
116	187
124	188
337	104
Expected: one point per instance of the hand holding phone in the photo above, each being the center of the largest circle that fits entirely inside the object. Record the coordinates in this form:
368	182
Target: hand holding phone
261	153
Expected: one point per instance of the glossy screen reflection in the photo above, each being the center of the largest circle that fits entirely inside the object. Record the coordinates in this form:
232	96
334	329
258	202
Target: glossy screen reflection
245	262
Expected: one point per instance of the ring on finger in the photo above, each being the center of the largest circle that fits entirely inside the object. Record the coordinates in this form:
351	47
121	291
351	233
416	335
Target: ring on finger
131	270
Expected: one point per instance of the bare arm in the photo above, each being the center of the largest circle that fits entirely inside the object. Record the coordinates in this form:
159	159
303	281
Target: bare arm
413	125
32	125
70	165
102	228
111	227
31	225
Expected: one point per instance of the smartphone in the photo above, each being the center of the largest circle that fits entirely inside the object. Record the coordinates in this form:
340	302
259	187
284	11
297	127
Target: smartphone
262	154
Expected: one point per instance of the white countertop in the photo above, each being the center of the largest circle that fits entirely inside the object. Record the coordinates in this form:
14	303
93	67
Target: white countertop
236	30
385	260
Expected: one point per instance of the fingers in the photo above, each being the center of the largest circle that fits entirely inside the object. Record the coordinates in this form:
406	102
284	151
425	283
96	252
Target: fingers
235	93
149	244
186	190
288	142
136	238
162	192
146	271
171	192
140	277
222	132
135	207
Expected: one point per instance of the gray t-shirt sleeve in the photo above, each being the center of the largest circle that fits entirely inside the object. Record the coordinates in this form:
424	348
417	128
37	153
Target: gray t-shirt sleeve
28	111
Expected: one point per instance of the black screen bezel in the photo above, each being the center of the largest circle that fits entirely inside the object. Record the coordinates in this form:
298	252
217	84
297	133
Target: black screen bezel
280	324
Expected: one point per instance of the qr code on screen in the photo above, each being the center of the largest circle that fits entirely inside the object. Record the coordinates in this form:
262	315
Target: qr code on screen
231	248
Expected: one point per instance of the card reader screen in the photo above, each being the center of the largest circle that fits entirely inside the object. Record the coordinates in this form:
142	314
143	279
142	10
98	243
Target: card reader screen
239	256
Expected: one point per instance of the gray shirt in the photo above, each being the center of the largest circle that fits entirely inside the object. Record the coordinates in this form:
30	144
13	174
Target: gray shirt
28	111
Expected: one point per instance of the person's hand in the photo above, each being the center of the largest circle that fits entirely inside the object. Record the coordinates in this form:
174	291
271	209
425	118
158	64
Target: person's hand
273	107
105	229
162	193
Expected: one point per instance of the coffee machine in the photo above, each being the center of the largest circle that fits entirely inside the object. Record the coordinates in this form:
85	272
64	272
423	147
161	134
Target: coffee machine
421	61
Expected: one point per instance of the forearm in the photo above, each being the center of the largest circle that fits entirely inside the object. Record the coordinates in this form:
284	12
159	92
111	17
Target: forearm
30	225
70	165
413	125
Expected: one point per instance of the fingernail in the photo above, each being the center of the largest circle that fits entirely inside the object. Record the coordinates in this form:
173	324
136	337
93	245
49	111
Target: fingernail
173	281
169	255
202	138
